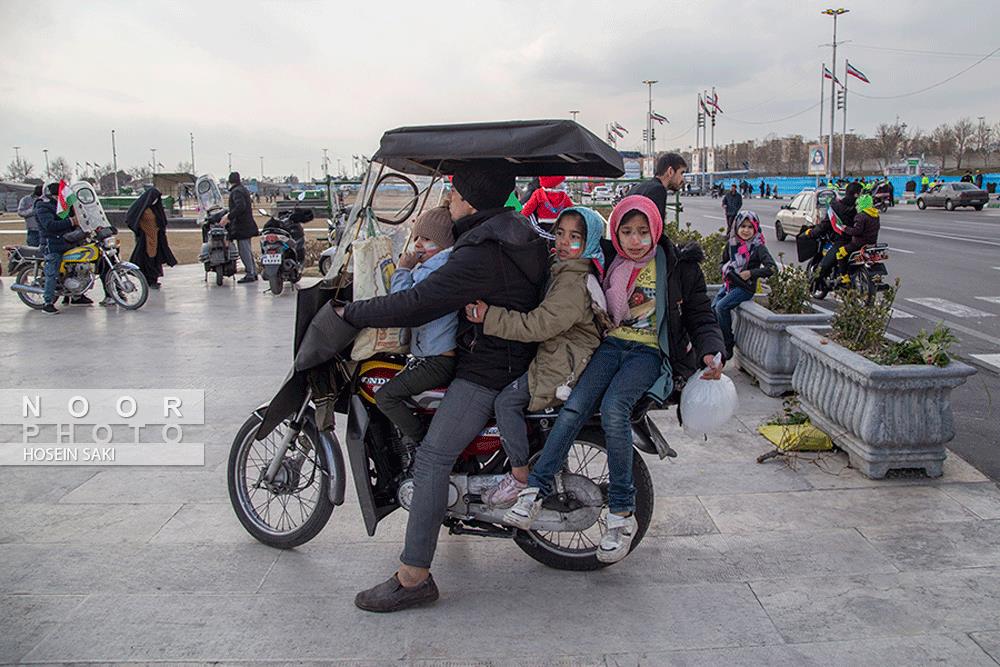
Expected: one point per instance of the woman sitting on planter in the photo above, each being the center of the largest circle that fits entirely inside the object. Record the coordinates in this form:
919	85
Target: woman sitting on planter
744	261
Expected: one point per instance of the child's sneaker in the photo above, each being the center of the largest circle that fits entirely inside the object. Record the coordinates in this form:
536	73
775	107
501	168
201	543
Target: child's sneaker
618	538
524	511
505	492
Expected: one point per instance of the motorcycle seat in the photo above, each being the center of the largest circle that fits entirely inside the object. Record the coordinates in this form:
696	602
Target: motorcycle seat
30	252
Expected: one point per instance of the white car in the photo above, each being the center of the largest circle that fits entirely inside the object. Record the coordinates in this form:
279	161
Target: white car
805	210
601	193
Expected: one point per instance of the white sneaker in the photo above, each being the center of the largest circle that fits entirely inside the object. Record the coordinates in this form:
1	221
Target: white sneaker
524	511
505	492
618	538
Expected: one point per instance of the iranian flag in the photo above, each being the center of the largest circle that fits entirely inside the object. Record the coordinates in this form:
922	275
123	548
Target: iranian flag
856	73
65	199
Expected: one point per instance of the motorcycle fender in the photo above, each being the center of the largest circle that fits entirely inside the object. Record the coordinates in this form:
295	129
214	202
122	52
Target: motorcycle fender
331	448
270	270
878	269
357	425
648	439
128	265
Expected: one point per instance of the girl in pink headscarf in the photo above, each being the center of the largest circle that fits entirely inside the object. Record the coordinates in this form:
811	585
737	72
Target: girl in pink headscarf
645	285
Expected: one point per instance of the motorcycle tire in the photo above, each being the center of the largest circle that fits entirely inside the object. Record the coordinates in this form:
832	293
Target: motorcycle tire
324	264
26	276
240	495
863	283
545	552
133	274
276	282
219	276
817	289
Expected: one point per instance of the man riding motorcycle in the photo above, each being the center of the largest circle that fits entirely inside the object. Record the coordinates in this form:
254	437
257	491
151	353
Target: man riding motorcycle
863	231
52	229
844	209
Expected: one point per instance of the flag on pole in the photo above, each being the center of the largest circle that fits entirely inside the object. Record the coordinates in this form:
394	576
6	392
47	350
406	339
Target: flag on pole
856	73
714	102
64	200
617	132
618	126
659	118
827	74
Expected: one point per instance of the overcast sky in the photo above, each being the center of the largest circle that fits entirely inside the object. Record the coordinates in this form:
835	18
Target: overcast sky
286	79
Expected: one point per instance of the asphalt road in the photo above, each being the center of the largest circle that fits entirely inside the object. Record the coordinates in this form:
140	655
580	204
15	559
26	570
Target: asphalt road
949	268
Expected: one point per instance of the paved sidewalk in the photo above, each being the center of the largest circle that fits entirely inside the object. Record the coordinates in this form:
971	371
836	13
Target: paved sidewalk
773	564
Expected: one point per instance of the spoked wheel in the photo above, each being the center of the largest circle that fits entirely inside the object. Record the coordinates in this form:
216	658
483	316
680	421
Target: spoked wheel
816	287
578	550
295	506
128	287
864	283
28	275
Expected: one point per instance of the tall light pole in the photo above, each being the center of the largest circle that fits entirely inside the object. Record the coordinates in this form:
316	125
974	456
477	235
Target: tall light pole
17	149
46	152
192	151
326	165
574	114
230	163
261	168
114	160
649	118
152	152
308	171
833	87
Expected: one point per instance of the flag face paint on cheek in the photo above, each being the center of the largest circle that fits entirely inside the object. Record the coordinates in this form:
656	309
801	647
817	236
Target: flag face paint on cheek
646	240
430	246
575	245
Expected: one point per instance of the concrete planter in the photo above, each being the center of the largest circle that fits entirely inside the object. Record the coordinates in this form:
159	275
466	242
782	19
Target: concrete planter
764	349
712	289
884	417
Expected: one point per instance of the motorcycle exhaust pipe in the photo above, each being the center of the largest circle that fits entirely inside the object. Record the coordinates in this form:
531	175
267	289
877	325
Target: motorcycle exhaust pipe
30	289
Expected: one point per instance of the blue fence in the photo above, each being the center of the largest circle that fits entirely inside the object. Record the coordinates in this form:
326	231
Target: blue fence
789	186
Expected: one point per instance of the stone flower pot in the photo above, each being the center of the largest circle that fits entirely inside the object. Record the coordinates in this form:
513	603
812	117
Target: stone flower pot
764	348
884	417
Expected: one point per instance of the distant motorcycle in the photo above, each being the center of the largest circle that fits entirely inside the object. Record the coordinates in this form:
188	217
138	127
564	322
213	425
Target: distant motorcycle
283	247
865	267
218	252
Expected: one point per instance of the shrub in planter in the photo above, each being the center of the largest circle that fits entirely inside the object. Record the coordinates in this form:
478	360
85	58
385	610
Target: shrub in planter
763	347
711	244
884	412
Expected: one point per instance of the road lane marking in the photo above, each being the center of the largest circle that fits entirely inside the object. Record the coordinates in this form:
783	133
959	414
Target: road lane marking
713	217
943	236
990	299
905	252
898	314
950	307
991	359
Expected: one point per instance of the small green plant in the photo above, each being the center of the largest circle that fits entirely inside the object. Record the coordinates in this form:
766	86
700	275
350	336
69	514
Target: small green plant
861	322
932	349
712	244
789	290
790	414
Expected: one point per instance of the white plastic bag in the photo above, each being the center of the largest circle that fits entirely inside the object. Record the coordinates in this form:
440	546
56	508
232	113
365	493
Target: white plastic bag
373	268
708	404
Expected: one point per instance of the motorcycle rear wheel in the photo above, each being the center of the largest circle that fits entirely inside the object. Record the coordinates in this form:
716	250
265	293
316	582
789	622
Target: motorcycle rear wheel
577	551
277	284
219	276
27	276
255	504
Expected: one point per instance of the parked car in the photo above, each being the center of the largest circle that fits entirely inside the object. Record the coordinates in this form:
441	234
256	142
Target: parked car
953	195
602	194
805	210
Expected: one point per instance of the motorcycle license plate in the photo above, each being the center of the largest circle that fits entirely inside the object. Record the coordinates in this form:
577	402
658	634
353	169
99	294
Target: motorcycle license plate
270	259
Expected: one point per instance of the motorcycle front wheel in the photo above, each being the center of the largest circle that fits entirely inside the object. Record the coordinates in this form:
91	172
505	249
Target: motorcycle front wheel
128	287
295	506
578	550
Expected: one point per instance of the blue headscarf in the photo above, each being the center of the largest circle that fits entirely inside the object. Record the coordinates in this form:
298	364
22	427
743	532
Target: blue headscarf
596	225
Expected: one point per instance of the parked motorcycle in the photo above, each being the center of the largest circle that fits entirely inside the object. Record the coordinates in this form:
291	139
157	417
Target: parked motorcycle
286	471
283	247
218	252
96	255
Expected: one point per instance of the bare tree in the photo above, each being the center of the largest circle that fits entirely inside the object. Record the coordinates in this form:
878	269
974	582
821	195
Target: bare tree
61	169
19	169
943	143
185	167
889	140
963	131
140	173
984	142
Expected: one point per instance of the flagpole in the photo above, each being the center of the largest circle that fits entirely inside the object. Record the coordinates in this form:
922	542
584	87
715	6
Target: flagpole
711	177
822	92
697	135
843	133
114	160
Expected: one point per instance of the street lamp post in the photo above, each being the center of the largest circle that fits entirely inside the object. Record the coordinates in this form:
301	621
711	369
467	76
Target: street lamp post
152	152
833	87
326	165
649	118
574	114
46	152
230	162
261	168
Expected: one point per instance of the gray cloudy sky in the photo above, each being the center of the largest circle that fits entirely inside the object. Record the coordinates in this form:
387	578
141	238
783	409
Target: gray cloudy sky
286	79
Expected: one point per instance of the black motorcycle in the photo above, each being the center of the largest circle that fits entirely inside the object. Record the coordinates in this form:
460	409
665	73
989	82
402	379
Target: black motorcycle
218	252
866	270
283	247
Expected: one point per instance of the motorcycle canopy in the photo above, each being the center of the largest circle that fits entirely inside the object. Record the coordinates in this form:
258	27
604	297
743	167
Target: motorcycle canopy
528	147
89	213
209	195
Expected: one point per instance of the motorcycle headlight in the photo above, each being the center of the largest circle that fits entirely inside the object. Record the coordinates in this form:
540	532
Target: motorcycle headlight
110	242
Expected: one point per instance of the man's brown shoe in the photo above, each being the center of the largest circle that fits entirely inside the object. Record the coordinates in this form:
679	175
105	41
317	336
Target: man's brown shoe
393	596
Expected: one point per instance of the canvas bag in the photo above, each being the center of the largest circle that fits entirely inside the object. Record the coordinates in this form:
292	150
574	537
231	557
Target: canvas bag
373	269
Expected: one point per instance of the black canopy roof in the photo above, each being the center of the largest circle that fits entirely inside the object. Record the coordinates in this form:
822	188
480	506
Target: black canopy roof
529	147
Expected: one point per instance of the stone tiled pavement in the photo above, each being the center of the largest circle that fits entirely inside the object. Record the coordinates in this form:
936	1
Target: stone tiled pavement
774	564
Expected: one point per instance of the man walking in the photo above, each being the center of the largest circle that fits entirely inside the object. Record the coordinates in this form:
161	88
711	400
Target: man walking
26	209
668	175
242	227
731	203
497	257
